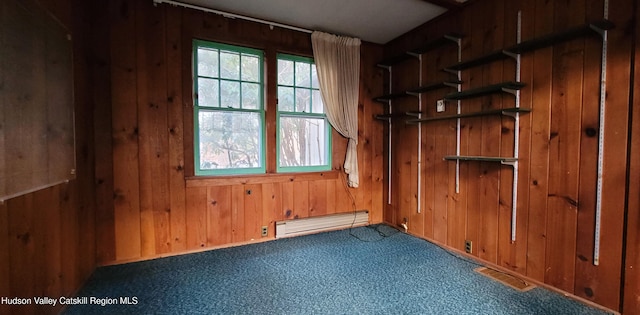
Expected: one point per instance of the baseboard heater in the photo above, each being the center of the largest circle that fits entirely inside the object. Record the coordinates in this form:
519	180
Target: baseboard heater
324	223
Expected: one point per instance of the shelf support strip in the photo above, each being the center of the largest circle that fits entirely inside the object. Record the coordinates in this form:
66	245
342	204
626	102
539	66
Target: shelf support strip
603	91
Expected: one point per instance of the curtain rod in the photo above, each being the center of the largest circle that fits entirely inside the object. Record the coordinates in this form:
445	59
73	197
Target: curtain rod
232	15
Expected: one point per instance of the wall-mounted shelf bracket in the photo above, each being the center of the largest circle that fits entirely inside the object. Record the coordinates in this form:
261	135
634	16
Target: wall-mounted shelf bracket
510	91
385	117
515	56
509	162
453	84
454	72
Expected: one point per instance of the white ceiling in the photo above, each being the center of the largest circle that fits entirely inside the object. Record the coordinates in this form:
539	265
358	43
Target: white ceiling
377	21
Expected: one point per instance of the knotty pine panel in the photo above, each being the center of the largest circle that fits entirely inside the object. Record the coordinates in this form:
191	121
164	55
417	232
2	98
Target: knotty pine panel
197	215
271	206
566	110
487	242
5	262
375	132
473	78
540	86
126	188
175	103
153	160
22	245
218	218
237	214
317	198
558	149
253	220
102	135
631	299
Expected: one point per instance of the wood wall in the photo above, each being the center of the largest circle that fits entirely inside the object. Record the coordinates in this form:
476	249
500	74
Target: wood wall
631	302
152	205
47	238
558	148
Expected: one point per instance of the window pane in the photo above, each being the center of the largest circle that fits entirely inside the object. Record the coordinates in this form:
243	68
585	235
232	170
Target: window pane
285	99
285	72
314	77
250	95
303	74
229	94
229	140
317	105
229	65
250	68
208	62
302	142
303	100
208	92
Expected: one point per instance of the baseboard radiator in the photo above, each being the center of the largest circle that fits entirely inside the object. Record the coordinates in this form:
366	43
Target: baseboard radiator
312	225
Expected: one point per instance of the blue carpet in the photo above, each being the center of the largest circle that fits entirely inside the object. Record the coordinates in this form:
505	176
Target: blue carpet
327	273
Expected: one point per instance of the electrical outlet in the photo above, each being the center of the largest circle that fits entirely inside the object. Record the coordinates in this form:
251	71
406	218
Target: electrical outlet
440	106
265	230
468	246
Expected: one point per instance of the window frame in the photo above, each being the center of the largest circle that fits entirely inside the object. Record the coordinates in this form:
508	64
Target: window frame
197	108
279	114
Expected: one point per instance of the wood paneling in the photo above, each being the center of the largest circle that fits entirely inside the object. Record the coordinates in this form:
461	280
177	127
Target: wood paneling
101	97
160	207
558	149
125	131
540	88
5	257
631	280
198	215
47	238
564	141
175	114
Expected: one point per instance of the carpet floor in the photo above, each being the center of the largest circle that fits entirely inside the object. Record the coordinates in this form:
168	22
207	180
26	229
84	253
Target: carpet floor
326	273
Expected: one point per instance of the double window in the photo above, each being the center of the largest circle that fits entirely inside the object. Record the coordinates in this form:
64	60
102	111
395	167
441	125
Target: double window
229	116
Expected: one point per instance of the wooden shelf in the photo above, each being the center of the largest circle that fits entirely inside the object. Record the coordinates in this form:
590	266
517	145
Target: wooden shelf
474	114
536	43
434	86
436	43
388	97
383	117
488	58
394	61
386	117
504	160
567	35
422	89
485	90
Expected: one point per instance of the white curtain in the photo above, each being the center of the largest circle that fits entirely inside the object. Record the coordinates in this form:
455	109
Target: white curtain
337	59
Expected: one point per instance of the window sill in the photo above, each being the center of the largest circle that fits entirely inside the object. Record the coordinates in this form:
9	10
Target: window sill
224	180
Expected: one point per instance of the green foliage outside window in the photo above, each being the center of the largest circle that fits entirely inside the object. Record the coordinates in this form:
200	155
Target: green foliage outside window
229	109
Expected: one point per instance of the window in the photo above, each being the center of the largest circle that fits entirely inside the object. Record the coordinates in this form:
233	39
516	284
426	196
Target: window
229	109
304	134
